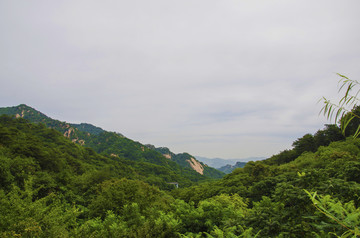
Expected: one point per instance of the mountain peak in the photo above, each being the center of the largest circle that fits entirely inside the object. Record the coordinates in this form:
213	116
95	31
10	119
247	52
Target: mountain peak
24	111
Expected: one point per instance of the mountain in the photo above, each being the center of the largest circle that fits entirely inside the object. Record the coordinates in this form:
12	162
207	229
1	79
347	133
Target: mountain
111	143
50	150
188	161
218	162
227	169
50	185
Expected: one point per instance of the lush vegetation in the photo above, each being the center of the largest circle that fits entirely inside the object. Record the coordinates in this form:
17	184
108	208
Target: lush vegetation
52	187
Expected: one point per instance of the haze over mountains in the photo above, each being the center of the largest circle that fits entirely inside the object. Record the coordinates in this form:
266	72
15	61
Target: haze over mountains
227	165
218	162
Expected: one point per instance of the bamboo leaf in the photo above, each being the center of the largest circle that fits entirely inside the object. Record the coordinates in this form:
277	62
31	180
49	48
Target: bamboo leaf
329	113
348	90
343	76
314	195
355	98
326	109
337	114
357	132
343	84
346	123
350	98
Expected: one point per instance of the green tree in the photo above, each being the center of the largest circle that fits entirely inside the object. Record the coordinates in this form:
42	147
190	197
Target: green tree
327	135
305	143
116	194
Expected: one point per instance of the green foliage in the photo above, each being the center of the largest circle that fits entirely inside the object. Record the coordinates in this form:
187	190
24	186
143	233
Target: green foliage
329	134
346	216
49	216
305	143
52	187
278	206
115	194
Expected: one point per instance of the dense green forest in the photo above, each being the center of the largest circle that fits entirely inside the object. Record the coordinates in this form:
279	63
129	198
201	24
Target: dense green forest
53	187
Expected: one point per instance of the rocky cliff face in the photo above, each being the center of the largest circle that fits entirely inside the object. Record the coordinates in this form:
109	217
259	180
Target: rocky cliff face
196	165
168	156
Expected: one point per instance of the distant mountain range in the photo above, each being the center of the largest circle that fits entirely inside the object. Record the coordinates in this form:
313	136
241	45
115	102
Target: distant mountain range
227	165
218	162
116	145
229	168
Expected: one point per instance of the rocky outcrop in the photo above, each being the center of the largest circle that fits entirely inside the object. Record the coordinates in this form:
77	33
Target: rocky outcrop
81	142
68	132
22	114
196	165
168	156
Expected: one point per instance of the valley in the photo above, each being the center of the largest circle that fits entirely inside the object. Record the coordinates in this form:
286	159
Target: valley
81	181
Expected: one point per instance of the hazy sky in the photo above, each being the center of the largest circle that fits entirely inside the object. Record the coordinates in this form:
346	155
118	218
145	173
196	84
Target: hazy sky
223	78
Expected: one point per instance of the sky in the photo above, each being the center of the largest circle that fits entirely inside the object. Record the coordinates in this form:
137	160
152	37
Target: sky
227	79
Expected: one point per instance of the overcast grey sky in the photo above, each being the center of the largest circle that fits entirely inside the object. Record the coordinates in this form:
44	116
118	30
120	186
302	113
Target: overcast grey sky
223	78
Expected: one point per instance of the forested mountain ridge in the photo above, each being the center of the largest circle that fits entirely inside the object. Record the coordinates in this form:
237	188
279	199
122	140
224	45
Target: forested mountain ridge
110	143
78	133
55	153
33	115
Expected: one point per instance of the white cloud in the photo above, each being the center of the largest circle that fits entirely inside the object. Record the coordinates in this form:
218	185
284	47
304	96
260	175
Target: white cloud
214	78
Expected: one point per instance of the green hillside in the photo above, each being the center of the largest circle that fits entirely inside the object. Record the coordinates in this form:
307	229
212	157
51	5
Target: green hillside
109	143
274	190
54	153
